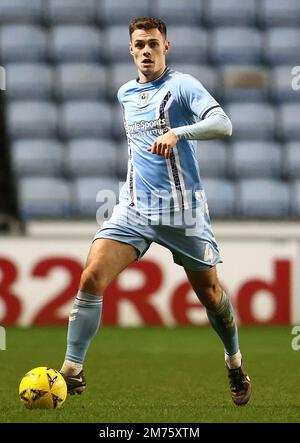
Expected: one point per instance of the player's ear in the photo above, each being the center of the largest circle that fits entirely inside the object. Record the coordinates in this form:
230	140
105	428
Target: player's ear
167	46
130	48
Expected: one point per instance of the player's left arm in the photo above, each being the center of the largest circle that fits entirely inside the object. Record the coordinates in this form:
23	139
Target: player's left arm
216	125
212	121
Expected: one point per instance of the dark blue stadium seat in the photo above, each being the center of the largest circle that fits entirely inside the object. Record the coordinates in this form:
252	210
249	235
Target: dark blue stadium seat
86	190
122	159
288	121
38	157
281	90
86	81
120	73
291	158
70	11
92	157
282	45
19	43
252	120
212	157
295	197
236	45
256	159
29	81
42	197
85	119
178	12
21	11
230	12
263	198
279	12
76	43
119	11
117	42
220	195
33	119
118	130
191	44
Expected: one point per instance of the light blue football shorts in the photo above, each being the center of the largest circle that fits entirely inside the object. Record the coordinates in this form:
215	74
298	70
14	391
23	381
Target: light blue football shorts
187	235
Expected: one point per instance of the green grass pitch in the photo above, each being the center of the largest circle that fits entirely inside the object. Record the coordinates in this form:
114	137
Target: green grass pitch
157	375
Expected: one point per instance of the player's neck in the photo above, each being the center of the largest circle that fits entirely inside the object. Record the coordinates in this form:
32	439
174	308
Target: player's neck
151	77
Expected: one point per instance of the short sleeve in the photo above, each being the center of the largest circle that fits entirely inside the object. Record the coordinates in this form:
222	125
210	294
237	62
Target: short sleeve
195	97
120	95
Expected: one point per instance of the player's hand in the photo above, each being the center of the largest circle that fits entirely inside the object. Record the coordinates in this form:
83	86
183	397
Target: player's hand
164	144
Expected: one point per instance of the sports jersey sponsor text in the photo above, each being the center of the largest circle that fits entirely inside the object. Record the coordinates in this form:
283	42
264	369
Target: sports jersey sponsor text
156	126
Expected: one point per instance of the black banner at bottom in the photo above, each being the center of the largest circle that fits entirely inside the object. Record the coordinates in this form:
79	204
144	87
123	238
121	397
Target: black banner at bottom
143	431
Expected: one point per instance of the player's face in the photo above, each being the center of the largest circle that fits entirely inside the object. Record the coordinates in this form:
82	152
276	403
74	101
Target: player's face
149	49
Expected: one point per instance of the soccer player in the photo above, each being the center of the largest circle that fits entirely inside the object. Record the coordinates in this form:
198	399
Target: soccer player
164	112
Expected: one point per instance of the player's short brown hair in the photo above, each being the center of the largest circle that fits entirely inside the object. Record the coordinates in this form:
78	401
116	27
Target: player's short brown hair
147	23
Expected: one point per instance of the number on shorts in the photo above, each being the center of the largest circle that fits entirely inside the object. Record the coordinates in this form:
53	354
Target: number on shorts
208	254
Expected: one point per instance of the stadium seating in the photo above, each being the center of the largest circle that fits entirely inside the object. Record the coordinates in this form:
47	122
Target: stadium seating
245	83
23	43
120	11
295	198
279	12
23	11
281	89
118	130
282	45
70	11
221	197
263	198
76	43
86	191
85	119
122	159
179	12
212	157
191	44
32	119
117	42
38	157
288	121
91	157
29	81
236	45
255	159
119	74
42	197
65	61
86	81
230	12
252	120
292	160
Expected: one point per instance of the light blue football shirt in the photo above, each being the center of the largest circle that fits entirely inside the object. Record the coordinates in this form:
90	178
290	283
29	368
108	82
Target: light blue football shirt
155	185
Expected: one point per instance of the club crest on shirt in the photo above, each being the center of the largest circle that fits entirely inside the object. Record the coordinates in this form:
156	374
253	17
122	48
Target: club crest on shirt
143	99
